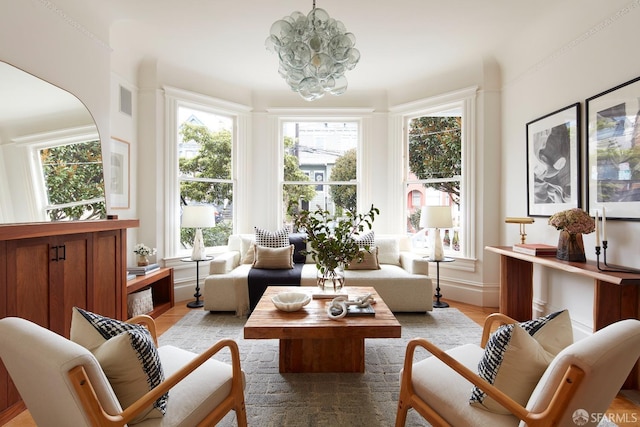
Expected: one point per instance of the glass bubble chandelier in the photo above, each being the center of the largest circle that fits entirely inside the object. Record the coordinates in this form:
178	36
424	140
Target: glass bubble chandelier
315	51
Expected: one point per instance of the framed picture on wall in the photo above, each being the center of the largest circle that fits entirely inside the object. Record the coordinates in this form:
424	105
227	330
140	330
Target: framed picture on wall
613	151
553	162
120	170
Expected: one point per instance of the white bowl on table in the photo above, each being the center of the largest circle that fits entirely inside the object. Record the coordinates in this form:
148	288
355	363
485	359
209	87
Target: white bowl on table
290	301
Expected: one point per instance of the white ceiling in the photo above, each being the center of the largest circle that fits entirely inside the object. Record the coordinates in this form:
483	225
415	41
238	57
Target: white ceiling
400	41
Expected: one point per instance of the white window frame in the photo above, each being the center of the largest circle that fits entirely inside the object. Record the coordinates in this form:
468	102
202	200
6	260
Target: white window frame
175	98
362	116
33	144
400	115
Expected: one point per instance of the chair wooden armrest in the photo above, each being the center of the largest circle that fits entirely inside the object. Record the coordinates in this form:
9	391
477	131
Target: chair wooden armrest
92	405
492	319
148	322
561	397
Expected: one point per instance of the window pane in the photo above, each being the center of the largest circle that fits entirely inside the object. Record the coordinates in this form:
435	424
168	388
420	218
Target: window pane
204	165
323	196
74	181
324	153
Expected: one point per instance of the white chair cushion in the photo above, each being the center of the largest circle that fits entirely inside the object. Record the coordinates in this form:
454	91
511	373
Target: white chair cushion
442	388
606	357
195	396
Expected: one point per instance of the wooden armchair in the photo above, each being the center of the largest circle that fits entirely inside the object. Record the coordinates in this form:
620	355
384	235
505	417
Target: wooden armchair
583	379
62	383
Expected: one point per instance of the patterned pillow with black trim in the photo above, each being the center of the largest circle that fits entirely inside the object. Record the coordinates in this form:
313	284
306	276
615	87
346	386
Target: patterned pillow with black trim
367	240
517	355
276	239
127	354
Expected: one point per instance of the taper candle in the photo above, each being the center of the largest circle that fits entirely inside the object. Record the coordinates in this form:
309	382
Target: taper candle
604	225
597	230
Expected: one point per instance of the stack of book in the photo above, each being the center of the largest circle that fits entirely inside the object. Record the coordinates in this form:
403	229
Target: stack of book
536	249
143	269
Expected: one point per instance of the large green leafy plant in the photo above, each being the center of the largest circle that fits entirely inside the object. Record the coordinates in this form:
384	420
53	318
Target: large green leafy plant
332	238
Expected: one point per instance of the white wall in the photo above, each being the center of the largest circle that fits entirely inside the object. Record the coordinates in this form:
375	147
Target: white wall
565	61
582	48
68	49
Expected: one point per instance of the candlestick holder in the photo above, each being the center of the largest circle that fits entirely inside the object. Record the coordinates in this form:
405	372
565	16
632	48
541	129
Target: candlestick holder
607	267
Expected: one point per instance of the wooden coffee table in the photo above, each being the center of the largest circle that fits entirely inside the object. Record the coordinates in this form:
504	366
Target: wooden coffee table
310	341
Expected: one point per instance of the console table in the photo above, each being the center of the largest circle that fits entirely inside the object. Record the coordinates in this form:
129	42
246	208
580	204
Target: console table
616	297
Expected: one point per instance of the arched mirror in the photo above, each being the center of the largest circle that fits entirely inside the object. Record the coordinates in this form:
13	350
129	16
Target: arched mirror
51	165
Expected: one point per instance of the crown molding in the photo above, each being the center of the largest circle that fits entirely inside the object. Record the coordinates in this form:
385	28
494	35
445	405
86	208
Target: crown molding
53	8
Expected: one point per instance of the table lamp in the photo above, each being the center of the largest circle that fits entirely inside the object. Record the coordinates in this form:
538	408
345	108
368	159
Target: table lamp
522	221
436	217
198	217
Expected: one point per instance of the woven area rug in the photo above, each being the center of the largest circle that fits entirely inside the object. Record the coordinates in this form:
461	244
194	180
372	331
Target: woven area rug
274	399
369	399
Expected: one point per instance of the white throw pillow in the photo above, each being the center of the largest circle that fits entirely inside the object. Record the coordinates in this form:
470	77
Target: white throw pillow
127	354
388	250
517	355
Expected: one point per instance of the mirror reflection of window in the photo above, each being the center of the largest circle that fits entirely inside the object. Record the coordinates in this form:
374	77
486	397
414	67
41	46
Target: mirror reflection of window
46	174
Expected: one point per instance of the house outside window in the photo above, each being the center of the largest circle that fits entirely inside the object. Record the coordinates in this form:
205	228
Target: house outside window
320	166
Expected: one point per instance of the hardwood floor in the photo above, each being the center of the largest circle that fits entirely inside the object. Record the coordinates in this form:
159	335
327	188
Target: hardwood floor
627	407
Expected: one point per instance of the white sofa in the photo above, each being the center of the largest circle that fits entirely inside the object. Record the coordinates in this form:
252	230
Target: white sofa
402	281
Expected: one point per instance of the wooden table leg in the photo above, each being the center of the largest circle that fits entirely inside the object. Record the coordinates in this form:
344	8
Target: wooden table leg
516	288
322	355
611	303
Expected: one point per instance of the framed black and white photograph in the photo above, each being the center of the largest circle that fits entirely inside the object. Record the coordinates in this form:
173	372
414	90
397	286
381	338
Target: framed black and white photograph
119	184
613	151
553	162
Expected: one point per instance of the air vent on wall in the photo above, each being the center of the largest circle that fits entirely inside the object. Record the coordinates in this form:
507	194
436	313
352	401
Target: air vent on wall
125	101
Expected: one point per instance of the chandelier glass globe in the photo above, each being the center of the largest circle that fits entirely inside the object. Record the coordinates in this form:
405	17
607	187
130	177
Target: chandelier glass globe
314	51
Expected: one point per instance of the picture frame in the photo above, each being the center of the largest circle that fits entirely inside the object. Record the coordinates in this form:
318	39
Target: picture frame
119	187
613	152
553	162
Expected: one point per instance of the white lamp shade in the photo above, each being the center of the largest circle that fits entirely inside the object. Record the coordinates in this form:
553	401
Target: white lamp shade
198	216
436	217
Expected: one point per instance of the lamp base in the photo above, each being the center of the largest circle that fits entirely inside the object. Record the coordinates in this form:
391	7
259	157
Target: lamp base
199	252
437	251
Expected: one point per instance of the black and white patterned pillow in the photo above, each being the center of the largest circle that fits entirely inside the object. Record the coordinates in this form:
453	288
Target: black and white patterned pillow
276	239
367	240
514	361
127	354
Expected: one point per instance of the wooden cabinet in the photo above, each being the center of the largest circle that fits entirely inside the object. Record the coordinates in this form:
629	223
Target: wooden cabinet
48	268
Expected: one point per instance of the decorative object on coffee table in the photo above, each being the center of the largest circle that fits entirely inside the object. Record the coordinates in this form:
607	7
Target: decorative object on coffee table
572	223
333	243
290	301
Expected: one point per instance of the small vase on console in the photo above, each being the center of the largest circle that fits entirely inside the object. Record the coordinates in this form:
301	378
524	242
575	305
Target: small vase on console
571	247
143	260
